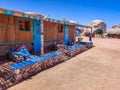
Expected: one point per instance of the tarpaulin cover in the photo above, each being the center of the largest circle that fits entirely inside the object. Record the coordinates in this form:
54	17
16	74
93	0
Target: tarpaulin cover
34	59
77	32
22	52
22	46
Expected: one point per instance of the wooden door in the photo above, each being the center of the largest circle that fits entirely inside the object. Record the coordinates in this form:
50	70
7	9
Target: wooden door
37	37
66	35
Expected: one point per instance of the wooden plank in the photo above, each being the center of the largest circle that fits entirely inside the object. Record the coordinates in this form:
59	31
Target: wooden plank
71	32
4	23
11	34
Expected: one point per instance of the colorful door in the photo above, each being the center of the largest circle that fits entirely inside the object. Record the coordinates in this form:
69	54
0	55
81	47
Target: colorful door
66	35
37	38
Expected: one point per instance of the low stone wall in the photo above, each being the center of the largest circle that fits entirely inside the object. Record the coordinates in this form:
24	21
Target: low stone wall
87	44
72	51
51	45
23	72
48	47
4	49
75	51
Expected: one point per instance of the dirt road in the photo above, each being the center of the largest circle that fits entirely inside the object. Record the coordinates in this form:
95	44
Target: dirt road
95	69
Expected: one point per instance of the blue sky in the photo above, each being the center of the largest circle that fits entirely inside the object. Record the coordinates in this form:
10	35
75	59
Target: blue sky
82	11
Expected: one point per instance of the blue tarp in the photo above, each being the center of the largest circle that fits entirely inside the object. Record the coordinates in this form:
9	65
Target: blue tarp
21	52
77	32
34	59
78	46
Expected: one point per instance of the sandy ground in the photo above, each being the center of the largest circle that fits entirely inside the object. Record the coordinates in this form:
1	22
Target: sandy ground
95	69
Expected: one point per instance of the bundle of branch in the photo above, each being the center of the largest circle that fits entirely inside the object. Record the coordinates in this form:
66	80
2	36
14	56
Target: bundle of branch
6	77
16	58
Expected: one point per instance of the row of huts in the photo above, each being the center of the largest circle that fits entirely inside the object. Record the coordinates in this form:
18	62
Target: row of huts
99	30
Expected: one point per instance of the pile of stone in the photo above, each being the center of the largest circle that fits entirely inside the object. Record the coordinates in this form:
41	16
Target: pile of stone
16	58
6	80
6	76
20	54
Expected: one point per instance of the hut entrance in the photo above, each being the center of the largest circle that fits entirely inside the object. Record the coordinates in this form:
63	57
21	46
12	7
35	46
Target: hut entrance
98	33
66	35
37	37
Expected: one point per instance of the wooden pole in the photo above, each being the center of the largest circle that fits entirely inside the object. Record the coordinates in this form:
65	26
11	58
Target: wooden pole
91	34
42	37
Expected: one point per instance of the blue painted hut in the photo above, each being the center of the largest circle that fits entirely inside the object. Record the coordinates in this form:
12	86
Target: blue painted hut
34	30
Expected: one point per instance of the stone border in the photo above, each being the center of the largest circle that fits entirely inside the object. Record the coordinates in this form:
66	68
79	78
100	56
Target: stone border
23	73
72	53
18	75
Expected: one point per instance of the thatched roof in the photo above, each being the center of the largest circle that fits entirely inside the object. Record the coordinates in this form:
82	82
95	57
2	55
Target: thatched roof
97	21
114	29
96	24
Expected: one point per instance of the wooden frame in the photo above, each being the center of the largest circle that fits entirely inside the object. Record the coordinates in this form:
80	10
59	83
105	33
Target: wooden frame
31	25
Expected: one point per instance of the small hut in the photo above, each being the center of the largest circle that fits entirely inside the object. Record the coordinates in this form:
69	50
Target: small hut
98	28
40	34
114	31
20	32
